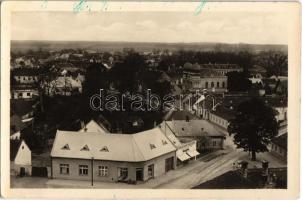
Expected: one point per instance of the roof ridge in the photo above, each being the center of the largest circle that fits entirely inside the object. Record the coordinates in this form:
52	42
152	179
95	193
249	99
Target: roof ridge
140	151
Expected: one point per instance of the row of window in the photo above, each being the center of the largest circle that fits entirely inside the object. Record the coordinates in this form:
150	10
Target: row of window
29	78
83	170
219	121
213	84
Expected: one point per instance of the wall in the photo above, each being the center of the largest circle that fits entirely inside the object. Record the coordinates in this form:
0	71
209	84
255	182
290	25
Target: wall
23	156
26	94
218	120
206	83
26	79
279	152
282	113
159	168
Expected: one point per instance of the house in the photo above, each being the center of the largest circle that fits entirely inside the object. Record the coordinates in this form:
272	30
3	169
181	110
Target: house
15	135
279	146
23	92
221	116
223	69
25	75
20	158
197	78
186	148
279	104
112	157
207	136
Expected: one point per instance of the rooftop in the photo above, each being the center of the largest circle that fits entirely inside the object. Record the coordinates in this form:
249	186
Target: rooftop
193	128
137	147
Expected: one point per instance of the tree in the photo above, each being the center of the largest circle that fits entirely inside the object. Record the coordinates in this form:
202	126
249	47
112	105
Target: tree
253	126
274	62
238	82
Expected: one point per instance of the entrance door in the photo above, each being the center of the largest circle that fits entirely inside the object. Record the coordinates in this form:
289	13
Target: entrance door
22	171
122	174
169	164
139	174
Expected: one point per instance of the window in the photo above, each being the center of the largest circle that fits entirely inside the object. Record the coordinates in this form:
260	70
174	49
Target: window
104	149
214	143
28	94
223	84
150	171
83	170
152	146
207	84
217	84
212	84
103	171
66	147
20	95
85	148
122	173
64	168
164	142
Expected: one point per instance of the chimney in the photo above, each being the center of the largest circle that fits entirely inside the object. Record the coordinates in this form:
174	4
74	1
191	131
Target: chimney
83	126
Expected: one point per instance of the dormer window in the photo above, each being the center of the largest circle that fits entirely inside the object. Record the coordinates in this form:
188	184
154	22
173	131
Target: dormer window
152	146
104	149
164	142
66	147
85	148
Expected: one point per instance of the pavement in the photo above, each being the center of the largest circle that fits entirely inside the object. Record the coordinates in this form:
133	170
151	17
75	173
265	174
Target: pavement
194	173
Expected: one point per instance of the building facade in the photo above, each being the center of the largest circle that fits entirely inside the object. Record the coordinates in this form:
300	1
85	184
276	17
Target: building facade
112	157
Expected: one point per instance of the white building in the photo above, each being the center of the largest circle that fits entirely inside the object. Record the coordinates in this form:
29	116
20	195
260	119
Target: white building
20	157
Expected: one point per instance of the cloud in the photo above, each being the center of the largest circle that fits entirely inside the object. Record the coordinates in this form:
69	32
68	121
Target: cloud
147	24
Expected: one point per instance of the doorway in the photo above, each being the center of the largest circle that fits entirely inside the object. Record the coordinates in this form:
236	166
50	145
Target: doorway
169	164
139	174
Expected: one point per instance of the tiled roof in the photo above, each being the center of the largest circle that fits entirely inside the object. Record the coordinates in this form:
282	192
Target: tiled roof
194	128
94	127
121	147
14	147
179	115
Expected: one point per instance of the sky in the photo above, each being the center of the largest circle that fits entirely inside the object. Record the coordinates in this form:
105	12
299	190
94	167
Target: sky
224	27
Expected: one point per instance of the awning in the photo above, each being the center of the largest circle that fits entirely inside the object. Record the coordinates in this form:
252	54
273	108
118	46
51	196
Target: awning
193	153
183	157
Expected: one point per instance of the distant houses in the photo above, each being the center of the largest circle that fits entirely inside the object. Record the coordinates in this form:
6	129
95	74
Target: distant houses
23	92
197	78
25	75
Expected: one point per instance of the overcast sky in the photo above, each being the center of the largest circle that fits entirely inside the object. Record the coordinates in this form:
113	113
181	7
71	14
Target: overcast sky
228	27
